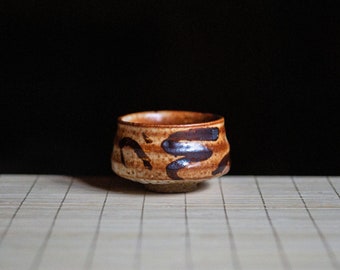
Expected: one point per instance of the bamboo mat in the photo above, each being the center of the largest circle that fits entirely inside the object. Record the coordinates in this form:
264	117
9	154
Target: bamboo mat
235	222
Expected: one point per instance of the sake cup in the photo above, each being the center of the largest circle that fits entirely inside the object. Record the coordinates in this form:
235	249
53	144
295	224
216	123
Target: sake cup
170	151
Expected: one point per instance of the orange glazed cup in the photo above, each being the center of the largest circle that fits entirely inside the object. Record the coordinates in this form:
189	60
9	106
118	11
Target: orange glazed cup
170	151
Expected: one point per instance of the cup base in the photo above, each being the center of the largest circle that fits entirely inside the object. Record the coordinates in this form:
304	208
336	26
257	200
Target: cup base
181	187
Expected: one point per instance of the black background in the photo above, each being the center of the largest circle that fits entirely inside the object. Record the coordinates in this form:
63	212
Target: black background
69	68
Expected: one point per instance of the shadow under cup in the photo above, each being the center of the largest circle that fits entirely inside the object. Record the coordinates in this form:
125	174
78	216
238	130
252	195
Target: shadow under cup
170	151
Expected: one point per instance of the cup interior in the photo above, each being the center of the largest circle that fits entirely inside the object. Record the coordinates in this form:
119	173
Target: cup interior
166	118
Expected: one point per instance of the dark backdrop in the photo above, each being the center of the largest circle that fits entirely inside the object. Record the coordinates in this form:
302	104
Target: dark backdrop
69	68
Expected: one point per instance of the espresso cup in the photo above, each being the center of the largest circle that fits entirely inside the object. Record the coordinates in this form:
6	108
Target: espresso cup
170	151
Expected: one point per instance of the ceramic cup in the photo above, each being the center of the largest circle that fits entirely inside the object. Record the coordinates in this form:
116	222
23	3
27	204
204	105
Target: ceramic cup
170	151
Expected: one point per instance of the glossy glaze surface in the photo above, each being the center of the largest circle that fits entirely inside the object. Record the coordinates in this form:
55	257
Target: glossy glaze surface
169	146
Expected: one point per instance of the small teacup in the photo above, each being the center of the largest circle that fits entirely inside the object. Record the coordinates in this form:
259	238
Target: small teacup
170	151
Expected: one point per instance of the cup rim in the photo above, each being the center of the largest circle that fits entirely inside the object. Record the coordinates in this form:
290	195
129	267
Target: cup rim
215	119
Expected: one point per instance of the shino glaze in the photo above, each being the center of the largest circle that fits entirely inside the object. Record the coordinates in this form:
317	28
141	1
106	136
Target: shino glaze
170	151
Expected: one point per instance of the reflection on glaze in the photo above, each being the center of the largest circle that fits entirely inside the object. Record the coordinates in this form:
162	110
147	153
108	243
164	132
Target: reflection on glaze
190	150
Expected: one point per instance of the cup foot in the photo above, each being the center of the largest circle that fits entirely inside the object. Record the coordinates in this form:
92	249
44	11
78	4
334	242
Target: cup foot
181	187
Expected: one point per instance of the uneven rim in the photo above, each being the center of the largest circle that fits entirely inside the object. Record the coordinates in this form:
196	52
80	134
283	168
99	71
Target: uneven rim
217	119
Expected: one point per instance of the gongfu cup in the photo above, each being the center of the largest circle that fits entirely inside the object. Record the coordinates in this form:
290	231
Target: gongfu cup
170	151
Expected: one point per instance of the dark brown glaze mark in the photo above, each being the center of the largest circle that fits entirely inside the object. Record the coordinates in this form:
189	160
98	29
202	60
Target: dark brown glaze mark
222	165
199	134
146	138
126	141
191	151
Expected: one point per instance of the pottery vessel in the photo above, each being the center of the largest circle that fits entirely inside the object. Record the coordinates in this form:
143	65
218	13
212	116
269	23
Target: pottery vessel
170	151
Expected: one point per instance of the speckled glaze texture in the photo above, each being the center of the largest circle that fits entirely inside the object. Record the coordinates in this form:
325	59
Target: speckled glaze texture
177	149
